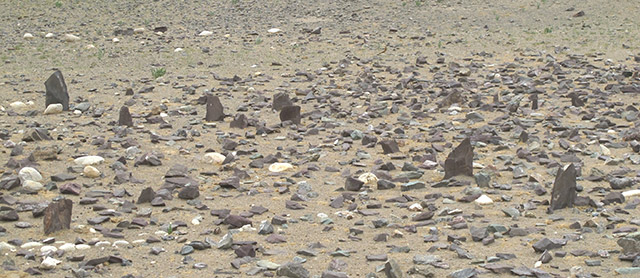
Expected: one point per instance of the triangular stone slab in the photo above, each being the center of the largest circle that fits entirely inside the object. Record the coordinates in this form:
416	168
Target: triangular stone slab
57	216
460	160
389	146
239	121
281	100
564	192
125	117
56	91
290	113
215	110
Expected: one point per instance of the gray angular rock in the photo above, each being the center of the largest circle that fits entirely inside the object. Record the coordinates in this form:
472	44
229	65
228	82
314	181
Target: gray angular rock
56	91
460	160
292	270
57	216
215	110
353	184
281	100
290	113
125	117
239	121
392	269
564	192
389	146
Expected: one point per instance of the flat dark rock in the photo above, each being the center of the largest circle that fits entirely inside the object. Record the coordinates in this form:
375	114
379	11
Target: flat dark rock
389	146
460	160
290	113
56	91
564	188
125	117
215	110
57	216
353	184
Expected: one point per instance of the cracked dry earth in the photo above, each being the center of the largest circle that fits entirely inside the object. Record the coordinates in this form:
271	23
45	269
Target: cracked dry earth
313	138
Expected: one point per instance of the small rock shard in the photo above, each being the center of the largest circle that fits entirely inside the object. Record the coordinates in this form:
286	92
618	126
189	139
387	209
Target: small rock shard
57	216
215	110
56	91
125	117
564	188
290	113
460	160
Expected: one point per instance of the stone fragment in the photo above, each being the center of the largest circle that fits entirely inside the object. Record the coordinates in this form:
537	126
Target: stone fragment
392	269
460	160
57	216
215	110
56	91
146	195
125	117
292	270
239	121
564	192
189	192
290	113
389	146
281	100
353	184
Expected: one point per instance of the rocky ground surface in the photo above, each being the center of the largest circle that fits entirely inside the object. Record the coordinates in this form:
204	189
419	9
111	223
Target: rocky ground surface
319	138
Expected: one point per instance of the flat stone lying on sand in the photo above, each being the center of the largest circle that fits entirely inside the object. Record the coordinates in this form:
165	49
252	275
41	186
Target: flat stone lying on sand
54	108
89	160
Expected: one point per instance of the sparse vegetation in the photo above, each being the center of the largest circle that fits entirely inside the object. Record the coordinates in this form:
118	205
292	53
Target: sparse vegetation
170	228
58	4
259	40
548	30
158	72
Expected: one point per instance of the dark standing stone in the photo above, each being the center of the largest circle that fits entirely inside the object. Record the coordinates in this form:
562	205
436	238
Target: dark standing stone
389	146
353	184
56	91
57	216
146	195
215	110
392	269
460	161
189	192
292	270
290	113
125	117
564	188
534	101
281	100
239	121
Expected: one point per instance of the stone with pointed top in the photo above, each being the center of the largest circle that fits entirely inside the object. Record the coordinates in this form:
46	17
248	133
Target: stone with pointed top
564	193
389	146
125	117
281	100
290	113
215	110
460	160
56	91
239	121
57	216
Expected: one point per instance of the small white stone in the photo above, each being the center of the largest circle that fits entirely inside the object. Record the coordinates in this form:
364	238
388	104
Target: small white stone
83	246
27	36
139	30
89	160
215	158
280	167
161	233
274	30
477	165
103	244
368	178
71	38
138	242
178	49
49	35
32	185
49	263
537	264
32	244
17	105
484	200
6	247
115	40
29	174
415	207
91	172
120	243
67	247
322	215
631	193
196	220
48	248
90	46
605	150
53	108
205	33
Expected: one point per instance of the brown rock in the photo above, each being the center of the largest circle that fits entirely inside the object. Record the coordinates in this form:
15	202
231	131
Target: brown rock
460	160
57	216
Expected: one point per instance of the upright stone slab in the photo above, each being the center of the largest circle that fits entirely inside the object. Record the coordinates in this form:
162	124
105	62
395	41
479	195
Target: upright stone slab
215	110
239	121
56	91
57	216
389	146
460	160
290	113
281	100
125	117
564	193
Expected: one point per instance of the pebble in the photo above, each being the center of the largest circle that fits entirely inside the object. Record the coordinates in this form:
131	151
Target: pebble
27	36
32	186
55	108
71	38
274	30
67	247
280	167
49	263
91	172
483	200
215	158
89	160
30	174
205	33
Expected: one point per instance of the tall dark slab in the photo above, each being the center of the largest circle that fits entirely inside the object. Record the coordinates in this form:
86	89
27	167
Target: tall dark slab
460	160
564	192
281	100
125	117
215	110
290	113
57	216
56	91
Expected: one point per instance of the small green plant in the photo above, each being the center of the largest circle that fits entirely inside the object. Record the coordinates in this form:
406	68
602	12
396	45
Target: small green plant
439	44
58	4
419	3
158	72
170	228
100	53
234	2
259	40
548	30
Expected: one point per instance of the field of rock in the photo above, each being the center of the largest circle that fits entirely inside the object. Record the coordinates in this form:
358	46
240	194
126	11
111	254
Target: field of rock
330	139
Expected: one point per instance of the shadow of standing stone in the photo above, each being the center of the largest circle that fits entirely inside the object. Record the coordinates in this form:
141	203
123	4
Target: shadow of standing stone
57	216
564	188
56	91
460	160
215	110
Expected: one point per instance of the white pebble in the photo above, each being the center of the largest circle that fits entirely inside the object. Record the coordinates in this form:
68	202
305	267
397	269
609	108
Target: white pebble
27	36
138	30
53	108
120	243
484	200
103	243
196	220
48	248
205	33
89	160
215	158
32	244
115	40
49	35
415	207
631	193
67	247
368	178
32	185
280	167
91	172
138	242
17	105
274	30
6	247
178	49
161	233
83	246
29	174
90	46
49	263
71	38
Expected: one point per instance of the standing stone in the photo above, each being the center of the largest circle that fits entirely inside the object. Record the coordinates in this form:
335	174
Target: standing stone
392	269
564	188
215	110
125	117
534	101
281	100
290	113
389	146
460	160
56	91
239	121
57	216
